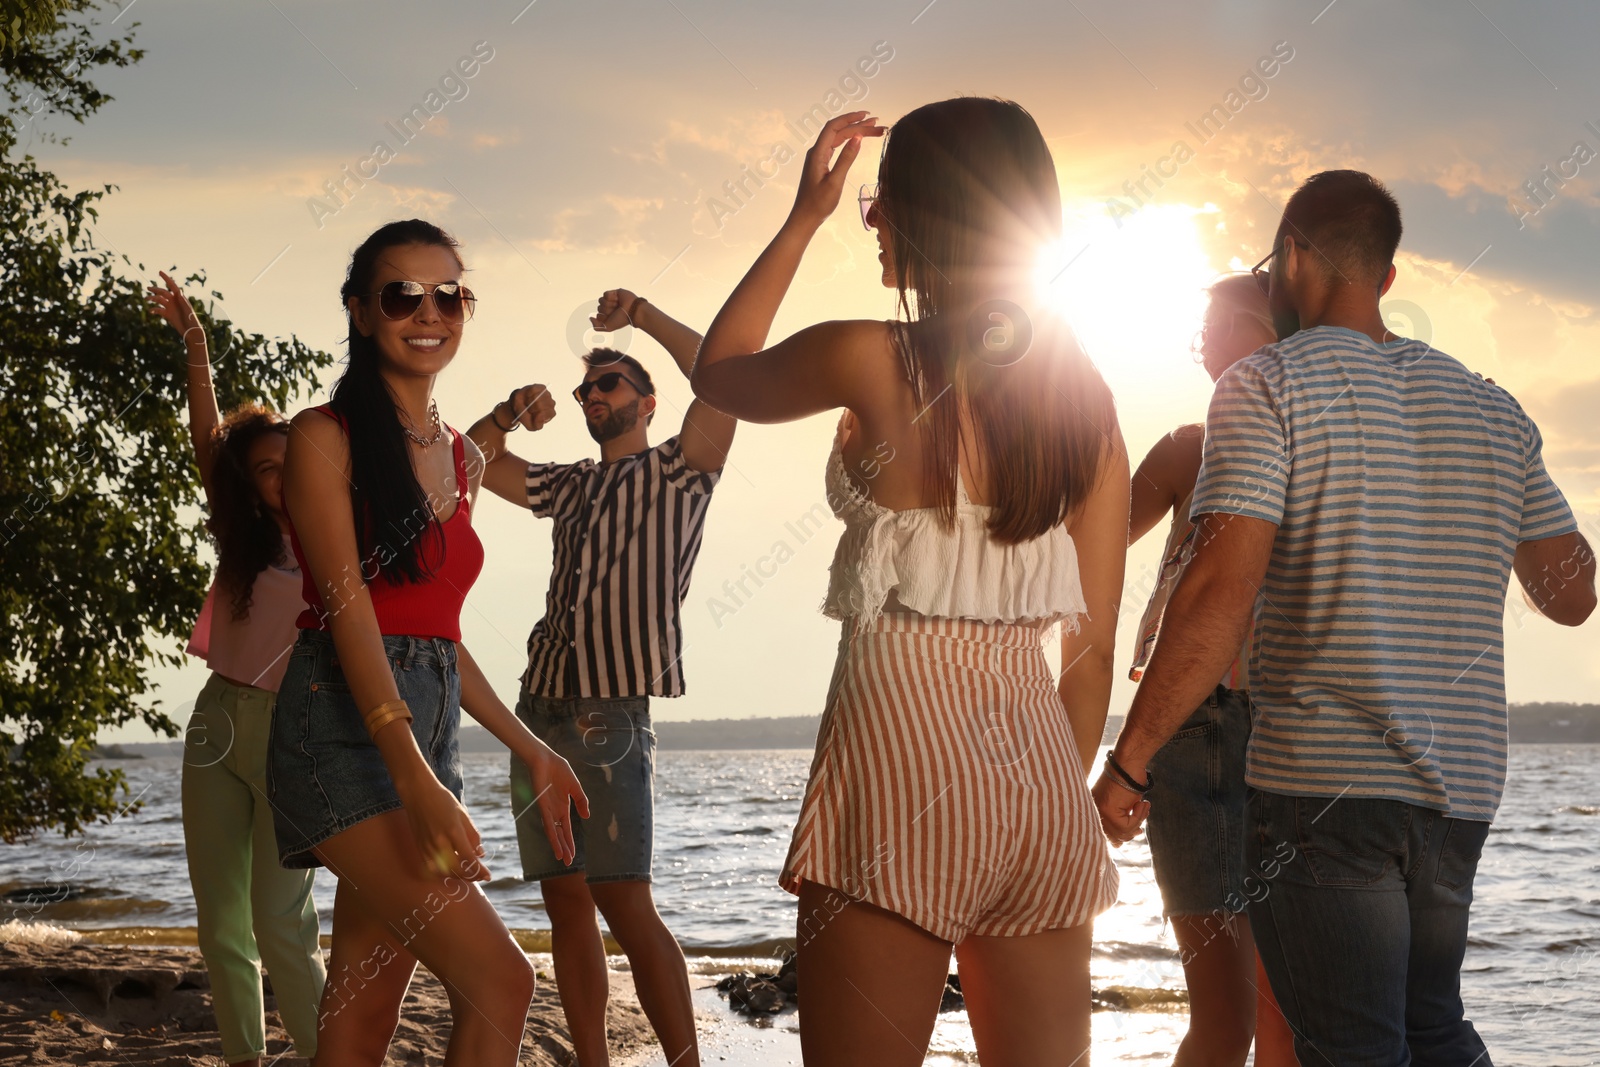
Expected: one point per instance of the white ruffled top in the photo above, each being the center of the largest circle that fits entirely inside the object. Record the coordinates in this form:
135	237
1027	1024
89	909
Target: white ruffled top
950	572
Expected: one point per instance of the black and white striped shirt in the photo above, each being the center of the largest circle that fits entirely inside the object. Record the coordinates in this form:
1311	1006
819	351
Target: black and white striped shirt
625	541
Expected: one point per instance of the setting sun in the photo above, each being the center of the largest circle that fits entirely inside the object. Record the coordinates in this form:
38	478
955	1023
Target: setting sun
1132	287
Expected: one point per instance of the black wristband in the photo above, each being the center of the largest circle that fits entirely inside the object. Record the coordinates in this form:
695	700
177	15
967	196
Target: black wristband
502	429
1120	773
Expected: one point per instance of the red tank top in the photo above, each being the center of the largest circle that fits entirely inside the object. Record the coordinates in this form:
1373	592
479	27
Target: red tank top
431	608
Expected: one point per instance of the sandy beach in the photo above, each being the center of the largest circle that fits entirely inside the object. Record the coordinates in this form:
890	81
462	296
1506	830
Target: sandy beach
76	1001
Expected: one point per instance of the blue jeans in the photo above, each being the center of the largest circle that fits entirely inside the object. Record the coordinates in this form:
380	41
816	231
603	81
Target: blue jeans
611	748
1363	931
1196	822
324	772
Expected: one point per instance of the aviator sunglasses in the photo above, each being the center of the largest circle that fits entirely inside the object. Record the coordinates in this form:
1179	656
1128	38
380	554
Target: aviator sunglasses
605	383
401	299
867	199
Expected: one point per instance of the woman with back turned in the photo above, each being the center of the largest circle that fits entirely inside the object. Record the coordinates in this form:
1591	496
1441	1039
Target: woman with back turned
365	769
983	483
1196	828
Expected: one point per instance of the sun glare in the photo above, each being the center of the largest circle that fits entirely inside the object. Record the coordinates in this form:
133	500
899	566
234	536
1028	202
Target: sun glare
1133	287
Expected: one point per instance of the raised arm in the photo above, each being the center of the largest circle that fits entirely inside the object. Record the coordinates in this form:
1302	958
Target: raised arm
1557	577
316	490
811	371
204	415
1099	531
504	473
707	433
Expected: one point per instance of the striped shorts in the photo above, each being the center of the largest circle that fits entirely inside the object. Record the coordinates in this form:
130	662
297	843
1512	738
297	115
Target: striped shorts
946	785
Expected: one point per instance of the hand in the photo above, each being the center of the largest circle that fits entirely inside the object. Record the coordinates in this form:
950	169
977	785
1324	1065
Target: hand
532	406
1122	811
446	838
614	310
556	790
172	305
822	178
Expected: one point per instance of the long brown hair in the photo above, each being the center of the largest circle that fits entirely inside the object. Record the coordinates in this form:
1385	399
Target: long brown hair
968	190
247	535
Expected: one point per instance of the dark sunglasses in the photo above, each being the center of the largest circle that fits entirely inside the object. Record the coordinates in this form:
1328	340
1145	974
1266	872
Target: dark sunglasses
605	383
1259	271
400	300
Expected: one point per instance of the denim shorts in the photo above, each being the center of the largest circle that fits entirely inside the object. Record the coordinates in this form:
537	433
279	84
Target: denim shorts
324	773
1196	824
612	750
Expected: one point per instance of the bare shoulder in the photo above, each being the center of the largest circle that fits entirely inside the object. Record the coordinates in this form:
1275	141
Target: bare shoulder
323	433
317	425
862	352
1195	431
473	457
853	338
1176	450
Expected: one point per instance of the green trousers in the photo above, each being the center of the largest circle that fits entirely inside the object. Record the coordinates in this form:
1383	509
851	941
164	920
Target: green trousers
249	908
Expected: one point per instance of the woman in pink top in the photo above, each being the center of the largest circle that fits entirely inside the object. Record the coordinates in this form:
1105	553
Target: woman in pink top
249	910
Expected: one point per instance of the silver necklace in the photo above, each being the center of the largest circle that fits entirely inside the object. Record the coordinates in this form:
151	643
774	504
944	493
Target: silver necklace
438	427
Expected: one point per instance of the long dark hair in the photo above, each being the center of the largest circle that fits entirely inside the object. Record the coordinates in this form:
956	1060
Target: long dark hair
247	535
968	189
391	509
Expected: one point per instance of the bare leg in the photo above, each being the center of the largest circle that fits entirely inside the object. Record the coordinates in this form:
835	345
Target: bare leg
368	974
1028	997
580	963
1274	1038
1219	965
870	983
448	925
660	975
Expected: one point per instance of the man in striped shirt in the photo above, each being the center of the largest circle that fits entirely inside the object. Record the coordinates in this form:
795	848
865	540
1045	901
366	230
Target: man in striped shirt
627	531
1376	496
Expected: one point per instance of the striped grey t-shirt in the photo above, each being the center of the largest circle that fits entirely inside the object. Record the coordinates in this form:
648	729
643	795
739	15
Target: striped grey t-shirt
1401	484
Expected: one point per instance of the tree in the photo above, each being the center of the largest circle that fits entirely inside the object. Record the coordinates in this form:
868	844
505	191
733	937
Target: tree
99	570
22	19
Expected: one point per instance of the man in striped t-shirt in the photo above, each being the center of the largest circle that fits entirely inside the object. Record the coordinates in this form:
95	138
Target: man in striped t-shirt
627	531
1374	496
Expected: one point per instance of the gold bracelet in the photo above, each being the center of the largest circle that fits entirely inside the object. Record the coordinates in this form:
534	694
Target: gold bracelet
384	714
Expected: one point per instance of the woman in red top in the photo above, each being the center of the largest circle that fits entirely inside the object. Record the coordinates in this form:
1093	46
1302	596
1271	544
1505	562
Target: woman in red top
364	773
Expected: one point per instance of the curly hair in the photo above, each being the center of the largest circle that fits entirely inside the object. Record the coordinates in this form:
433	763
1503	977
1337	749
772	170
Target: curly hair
247	536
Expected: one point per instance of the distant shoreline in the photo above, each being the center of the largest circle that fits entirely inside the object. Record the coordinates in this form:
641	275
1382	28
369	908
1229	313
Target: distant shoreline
1531	724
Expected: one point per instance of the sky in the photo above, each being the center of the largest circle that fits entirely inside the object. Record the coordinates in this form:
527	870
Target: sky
653	145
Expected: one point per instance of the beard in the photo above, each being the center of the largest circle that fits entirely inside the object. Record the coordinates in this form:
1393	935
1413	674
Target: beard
617	423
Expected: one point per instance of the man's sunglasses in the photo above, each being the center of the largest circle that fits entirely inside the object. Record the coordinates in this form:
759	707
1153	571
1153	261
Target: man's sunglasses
400	300
1259	271
605	383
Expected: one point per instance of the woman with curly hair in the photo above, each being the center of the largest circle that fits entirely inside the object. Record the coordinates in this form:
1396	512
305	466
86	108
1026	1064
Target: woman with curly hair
249	909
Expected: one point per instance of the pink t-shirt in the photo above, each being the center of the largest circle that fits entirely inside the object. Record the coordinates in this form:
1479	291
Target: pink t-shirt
253	650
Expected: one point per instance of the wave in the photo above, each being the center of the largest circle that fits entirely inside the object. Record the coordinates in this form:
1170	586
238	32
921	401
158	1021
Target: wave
1132	950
